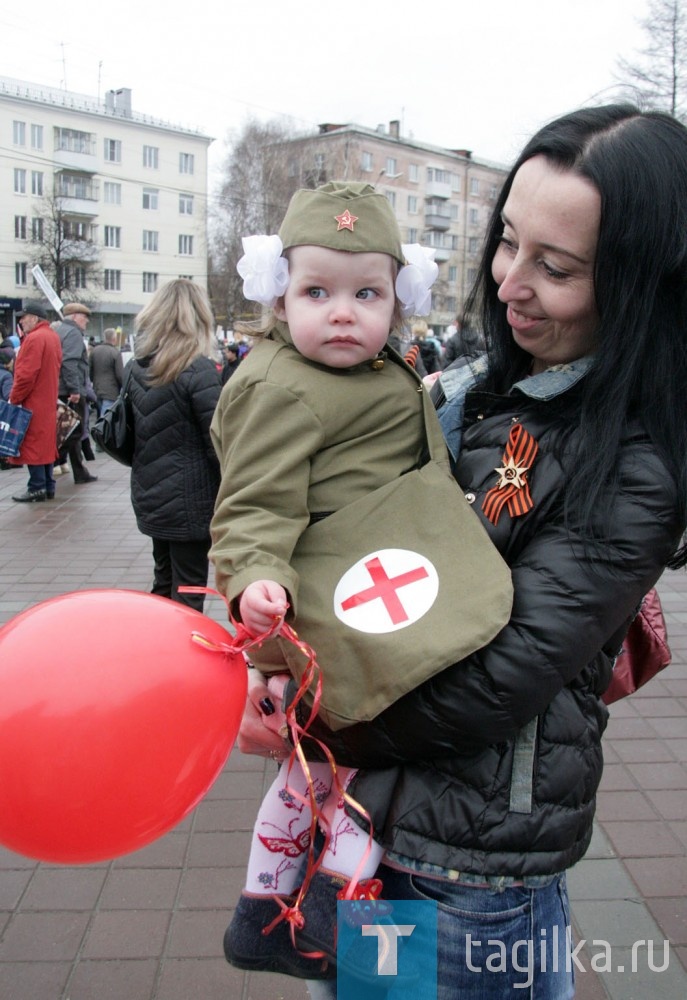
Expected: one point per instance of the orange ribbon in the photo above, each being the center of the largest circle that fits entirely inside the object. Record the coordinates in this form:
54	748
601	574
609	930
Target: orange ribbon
311	680
512	490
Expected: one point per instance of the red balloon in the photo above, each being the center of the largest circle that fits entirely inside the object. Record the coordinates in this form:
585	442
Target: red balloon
114	721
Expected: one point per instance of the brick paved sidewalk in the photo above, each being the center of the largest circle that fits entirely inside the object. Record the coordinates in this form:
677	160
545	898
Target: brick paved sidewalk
149	926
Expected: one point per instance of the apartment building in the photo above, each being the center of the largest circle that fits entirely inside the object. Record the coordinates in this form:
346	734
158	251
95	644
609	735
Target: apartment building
125	193
442	197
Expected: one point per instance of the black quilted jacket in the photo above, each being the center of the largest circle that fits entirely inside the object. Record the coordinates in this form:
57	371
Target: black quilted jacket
175	472
502	752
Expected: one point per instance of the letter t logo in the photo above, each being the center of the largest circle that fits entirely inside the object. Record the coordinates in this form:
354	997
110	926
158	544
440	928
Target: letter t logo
387	944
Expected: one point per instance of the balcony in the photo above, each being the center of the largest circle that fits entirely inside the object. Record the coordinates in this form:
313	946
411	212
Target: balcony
438	189
71	159
79	206
78	195
437	218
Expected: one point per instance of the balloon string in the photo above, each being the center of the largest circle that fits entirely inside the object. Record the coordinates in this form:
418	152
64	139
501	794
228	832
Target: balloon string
311	681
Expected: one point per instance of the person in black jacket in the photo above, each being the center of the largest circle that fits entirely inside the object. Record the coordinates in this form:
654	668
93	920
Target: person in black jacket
173	391
569	438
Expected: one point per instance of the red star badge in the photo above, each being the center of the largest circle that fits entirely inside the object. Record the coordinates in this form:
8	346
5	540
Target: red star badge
345	220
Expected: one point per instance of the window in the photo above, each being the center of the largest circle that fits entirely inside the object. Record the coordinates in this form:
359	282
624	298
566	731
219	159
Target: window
113	193
455	183
452	274
113	150
112	280
150	241
37	137
391	198
493	191
438	176
474	185
75	230
185	204
472	275
37	183
150	198
474	216
390	167
412	204
412	235
19	133
79	186
20	227
453	210
473	245
36	229
19	181
186	245
366	162
450	303
150	157
150	281
20	272
113	237
75	141
413	173
79	277
186	163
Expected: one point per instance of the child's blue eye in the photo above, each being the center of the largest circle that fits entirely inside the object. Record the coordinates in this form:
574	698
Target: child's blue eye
366	293
316	293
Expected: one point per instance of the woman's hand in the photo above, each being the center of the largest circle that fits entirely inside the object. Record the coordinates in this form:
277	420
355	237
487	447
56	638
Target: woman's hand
263	729
261	606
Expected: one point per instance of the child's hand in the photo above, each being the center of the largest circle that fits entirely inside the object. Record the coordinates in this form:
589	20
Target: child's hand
261	605
429	380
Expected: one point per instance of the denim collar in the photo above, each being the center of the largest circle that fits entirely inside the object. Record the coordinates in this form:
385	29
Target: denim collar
457	382
555	380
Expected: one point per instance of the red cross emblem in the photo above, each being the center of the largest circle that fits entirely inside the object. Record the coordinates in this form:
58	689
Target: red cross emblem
386	590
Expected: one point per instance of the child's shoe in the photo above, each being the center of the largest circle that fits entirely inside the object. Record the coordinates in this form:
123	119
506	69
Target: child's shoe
247	947
319	929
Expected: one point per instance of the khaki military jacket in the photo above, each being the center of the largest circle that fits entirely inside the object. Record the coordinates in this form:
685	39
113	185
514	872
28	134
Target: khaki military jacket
298	440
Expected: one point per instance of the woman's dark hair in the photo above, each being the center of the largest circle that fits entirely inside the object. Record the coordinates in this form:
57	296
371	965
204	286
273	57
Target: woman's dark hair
638	163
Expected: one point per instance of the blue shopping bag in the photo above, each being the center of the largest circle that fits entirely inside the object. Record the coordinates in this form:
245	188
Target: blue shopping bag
14	421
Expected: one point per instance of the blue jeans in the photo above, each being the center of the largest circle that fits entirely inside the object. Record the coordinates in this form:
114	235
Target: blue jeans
41	478
493	944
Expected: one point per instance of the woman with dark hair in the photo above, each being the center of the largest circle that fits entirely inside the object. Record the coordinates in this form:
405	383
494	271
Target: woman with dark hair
569	437
173	391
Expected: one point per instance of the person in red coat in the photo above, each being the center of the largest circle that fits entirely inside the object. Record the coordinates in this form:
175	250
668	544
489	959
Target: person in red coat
36	377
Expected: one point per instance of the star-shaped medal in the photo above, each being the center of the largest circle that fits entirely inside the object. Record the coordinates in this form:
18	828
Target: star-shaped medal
511	474
345	220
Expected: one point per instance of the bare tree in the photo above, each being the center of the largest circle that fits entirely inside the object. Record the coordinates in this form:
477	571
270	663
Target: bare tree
258	178
658	78
63	245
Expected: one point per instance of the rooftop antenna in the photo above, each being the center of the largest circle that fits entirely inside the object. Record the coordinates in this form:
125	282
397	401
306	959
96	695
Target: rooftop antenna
100	66
64	68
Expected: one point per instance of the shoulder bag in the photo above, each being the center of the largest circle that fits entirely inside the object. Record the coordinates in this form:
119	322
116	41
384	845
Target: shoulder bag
393	588
68	420
14	422
114	430
644	653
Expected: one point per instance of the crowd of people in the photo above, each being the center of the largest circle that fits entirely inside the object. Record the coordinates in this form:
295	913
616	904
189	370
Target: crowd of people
559	395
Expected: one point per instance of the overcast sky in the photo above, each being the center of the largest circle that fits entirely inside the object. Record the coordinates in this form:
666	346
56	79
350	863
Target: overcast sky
479	75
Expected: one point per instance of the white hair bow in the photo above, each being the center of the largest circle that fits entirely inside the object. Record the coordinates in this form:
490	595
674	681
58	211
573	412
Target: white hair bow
415	280
264	271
